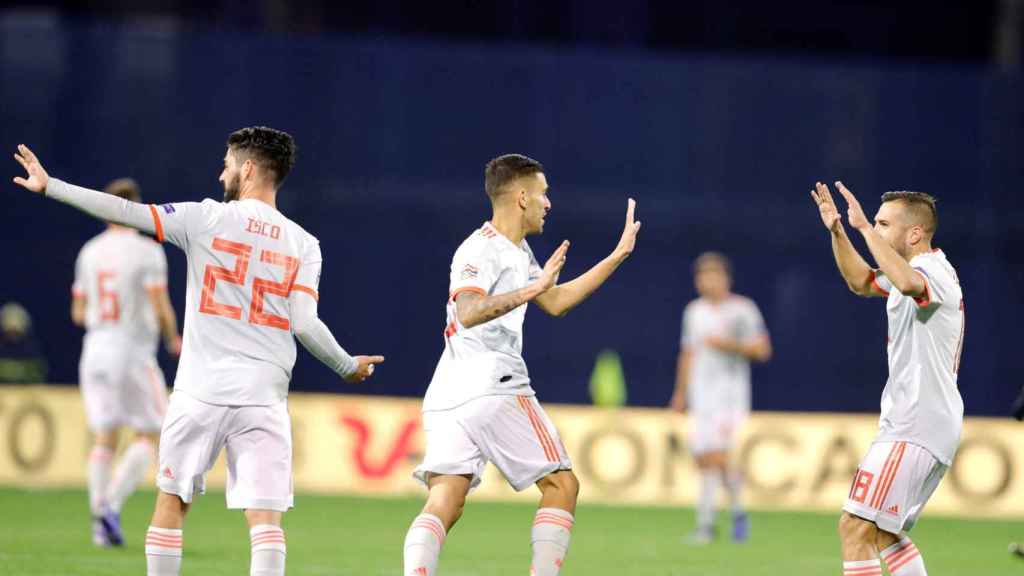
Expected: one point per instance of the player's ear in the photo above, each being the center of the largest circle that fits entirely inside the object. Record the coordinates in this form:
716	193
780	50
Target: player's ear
521	198
915	235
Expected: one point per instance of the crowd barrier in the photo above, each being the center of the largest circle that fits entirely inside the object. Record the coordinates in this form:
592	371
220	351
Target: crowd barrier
369	445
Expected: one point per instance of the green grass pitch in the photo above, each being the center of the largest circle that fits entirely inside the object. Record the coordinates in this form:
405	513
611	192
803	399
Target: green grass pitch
47	533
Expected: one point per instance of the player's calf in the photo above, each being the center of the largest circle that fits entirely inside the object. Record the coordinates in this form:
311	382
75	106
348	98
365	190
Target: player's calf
860	557
552	525
427	533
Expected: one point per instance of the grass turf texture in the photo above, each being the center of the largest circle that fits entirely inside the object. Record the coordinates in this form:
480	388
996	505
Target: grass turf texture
47	532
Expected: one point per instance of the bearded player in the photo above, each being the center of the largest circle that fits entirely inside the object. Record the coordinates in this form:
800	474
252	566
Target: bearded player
922	412
252	289
480	406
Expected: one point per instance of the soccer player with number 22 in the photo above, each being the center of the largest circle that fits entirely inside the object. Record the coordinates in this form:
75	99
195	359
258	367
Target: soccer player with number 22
252	284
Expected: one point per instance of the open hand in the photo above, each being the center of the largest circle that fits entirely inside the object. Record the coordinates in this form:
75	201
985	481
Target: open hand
854	213
553	267
37	176
826	207
364	369
628	240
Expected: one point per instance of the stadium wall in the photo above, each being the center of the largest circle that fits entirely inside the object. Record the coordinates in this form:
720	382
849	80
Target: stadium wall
719	151
368	446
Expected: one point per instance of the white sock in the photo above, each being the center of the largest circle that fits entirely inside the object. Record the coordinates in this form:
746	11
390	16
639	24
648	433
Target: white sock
862	568
903	559
734	489
163	552
552	528
98	472
423	545
709	480
268	550
129	472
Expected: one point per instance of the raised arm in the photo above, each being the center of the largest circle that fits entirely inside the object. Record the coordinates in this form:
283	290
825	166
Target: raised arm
903	277
475	308
97	204
564	297
859	276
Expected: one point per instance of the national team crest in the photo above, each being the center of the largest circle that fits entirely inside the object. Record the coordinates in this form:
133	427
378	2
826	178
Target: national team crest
469	271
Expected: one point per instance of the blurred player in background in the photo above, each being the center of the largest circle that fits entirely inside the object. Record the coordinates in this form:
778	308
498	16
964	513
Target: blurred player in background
480	406
722	334
921	409
120	297
252	285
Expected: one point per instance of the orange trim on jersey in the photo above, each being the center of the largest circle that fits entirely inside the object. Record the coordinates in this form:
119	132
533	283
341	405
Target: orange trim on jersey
874	284
156	223
307	290
924	301
458	291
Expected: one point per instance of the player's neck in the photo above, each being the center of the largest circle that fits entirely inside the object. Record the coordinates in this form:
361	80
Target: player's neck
510	226
921	248
718	298
266	195
117	228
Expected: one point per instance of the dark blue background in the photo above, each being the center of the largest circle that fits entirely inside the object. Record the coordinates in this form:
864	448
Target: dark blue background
393	134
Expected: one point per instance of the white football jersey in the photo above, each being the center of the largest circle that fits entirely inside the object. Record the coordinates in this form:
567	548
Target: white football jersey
719	381
113	274
244	259
486	359
921	403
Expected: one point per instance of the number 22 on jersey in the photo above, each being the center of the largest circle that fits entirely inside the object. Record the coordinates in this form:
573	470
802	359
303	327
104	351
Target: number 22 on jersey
260	286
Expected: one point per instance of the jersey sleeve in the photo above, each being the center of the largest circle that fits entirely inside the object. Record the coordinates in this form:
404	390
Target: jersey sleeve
751	323
880	282
937	283
154	275
308	277
177	222
475	268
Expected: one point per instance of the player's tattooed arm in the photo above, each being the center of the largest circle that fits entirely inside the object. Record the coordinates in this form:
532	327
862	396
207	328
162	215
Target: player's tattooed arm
852	266
562	298
474	308
904	278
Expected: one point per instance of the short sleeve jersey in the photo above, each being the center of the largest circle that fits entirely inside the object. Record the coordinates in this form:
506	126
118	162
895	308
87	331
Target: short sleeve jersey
244	260
113	274
486	359
921	403
719	381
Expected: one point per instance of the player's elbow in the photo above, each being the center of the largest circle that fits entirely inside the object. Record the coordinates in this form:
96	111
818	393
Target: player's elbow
302	326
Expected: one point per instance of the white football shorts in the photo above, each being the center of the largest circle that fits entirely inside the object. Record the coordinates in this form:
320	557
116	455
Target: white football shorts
257	441
892	485
511	431
122	388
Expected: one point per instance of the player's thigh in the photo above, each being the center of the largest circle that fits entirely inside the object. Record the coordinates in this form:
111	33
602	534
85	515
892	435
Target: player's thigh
190	441
258	451
449	450
145	399
100	379
712	432
892	484
516	434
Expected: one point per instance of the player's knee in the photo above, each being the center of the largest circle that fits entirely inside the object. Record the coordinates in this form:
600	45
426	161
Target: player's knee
855	530
564	482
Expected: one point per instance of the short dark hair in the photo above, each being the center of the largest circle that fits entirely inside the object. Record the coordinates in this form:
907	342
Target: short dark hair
507	168
272	149
713	259
920	205
125	188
